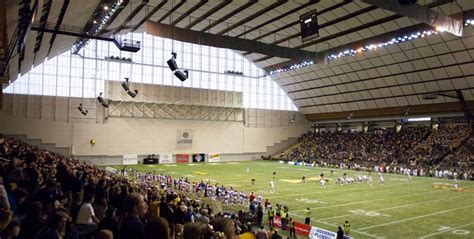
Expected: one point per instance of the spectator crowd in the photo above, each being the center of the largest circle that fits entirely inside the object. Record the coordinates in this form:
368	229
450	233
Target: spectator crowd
422	149
45	195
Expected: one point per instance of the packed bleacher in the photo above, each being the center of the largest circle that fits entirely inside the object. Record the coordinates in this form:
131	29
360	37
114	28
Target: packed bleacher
447	148
44	195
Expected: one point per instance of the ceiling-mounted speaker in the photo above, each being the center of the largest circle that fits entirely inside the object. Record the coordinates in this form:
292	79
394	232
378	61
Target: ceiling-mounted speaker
309	25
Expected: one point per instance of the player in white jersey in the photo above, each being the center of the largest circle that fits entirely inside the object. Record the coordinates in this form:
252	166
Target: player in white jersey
341	181
407	173
369	180
322	181
349	180
381	179
455	176
272	186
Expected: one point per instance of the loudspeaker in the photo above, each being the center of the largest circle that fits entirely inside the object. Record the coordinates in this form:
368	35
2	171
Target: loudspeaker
181	75
309	25
172	64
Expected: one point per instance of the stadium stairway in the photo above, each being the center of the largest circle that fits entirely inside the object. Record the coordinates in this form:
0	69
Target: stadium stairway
38	143
276	148
285	147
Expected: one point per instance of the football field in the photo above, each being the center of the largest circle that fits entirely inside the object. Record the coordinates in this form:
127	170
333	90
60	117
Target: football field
421	208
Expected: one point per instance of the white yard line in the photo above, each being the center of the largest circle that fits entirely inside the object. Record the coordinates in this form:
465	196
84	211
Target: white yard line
321	191
450	229
414	218
391	208
373	200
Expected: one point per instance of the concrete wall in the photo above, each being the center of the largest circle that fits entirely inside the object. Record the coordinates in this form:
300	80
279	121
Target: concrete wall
56	120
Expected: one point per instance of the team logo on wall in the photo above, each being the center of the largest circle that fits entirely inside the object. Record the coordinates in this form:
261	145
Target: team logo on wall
199	158
165	158
184	139
213	158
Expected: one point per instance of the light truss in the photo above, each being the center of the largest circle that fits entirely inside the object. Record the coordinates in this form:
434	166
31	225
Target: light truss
174	111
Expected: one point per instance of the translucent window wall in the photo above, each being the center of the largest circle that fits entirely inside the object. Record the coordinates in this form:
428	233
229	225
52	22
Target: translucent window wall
84	75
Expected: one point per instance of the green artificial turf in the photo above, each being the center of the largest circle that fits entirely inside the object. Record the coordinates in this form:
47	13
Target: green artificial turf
421	208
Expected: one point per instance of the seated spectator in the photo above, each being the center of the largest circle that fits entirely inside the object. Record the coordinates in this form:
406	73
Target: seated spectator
12	231
86	220
33	221
104	234
56	228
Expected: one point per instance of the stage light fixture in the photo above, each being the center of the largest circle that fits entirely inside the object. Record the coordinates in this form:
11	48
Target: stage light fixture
126	85
81	109
181	75
103	101
172	64
132	93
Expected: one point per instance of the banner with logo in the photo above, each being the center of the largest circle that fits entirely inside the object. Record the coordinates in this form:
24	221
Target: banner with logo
300	228
184	138
199	158
214	158
165	158
129	159
319	233
182	158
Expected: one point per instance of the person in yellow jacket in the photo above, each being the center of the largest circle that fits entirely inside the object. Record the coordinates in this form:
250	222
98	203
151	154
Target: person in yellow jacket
271	216
307	216
347	228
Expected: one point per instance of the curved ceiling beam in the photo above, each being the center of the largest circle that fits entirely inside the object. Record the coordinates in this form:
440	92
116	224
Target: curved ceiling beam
189	11
208	13
229	15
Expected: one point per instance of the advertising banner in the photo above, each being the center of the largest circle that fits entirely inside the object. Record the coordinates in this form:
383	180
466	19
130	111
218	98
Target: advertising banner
319	233
199	158
214	158
300	228
184	138
165	158
129	159
182	158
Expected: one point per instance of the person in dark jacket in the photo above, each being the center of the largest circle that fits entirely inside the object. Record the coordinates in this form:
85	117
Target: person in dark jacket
340	233
110	222
33	222
134	207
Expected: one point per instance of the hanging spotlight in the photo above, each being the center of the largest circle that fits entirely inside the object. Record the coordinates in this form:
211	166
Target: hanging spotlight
81	109
182	75
132	93
126	84
172	62
103	101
